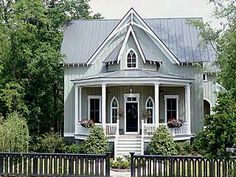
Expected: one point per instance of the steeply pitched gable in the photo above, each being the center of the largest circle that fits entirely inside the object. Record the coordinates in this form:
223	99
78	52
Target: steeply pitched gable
84	39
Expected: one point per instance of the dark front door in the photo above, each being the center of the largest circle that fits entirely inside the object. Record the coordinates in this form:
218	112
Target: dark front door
131	117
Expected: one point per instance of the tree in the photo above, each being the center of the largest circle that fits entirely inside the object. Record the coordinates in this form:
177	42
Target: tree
96	143
220	130
162	143
31	76
14	134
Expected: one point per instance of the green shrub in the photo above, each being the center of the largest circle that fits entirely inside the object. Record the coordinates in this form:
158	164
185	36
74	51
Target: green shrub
120	163
185	148
73	148
51	142
96	143
14	134
162	143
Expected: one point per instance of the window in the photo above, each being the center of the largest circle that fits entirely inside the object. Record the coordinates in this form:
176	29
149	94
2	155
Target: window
171	107
131	59
149	106
204	77
114	110
94	108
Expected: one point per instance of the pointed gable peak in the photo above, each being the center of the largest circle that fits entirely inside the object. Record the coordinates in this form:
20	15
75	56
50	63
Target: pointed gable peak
130	19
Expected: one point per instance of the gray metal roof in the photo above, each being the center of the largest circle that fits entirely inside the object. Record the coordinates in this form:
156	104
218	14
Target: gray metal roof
132	74
113	56
83	37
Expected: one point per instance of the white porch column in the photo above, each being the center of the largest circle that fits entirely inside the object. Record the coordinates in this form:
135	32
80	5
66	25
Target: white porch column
104	106
156	114
76	109
80	103
187	107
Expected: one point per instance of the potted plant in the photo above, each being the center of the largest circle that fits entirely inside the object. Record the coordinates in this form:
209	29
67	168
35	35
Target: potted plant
174	123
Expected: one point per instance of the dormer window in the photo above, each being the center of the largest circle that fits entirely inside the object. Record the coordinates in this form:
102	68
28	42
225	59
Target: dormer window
132	59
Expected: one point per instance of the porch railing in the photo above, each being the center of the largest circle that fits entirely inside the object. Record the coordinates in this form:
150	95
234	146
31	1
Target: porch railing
183	130
149	129
111	129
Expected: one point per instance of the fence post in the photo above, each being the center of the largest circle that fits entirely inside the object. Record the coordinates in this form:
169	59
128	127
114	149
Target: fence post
70	165
132	167
108	164
35	164
171	167
1	164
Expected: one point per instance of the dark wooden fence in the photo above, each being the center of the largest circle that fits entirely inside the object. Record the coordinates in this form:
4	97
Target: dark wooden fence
181	166
44	164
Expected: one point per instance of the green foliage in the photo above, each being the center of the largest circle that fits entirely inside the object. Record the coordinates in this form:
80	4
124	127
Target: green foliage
31	77
162	143
185	148
51	142
12	97
96	143
120	163
73	148
220	129
14	134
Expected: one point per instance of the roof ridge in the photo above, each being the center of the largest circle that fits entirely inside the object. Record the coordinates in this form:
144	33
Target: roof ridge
151	18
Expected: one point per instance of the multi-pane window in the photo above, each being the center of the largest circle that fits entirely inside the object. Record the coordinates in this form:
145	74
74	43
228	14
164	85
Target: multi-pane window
131	59
94	109
171	109
149	110
114	110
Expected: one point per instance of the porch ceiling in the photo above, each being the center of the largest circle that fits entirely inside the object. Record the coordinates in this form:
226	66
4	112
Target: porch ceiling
132	77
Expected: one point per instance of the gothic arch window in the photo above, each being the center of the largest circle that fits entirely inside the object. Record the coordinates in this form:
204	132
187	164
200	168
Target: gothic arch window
131	59
149	114
207	107
114	110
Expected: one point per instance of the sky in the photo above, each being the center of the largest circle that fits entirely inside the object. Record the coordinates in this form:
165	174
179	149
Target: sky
111	9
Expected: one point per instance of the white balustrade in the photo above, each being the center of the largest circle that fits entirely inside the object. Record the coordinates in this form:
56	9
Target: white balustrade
183	130
149	129
111	129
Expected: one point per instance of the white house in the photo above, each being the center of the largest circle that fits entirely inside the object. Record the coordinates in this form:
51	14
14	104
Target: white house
132	75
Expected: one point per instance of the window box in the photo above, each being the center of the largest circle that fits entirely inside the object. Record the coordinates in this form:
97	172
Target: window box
87	123
173	123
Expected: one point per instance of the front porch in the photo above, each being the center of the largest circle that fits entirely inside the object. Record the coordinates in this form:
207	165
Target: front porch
132	108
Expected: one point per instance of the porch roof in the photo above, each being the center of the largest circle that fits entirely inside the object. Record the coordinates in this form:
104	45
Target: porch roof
132	76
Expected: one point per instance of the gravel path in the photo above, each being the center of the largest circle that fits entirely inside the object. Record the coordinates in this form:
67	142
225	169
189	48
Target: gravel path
120	174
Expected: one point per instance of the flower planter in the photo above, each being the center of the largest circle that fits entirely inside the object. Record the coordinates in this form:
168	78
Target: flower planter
120	169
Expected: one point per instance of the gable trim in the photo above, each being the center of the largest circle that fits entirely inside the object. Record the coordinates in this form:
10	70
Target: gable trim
131	31
117	29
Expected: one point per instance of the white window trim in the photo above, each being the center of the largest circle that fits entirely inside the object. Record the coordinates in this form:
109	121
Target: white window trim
153	106
100	104
131	49
111	108
177	105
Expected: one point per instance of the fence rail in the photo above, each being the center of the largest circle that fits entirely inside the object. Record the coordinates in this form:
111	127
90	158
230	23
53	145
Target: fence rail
181	166
53	164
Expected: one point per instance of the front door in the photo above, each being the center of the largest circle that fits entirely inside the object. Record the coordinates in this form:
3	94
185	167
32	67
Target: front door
131	117
131	113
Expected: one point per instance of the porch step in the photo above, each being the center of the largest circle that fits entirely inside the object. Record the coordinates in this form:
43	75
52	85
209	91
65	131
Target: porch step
127	144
